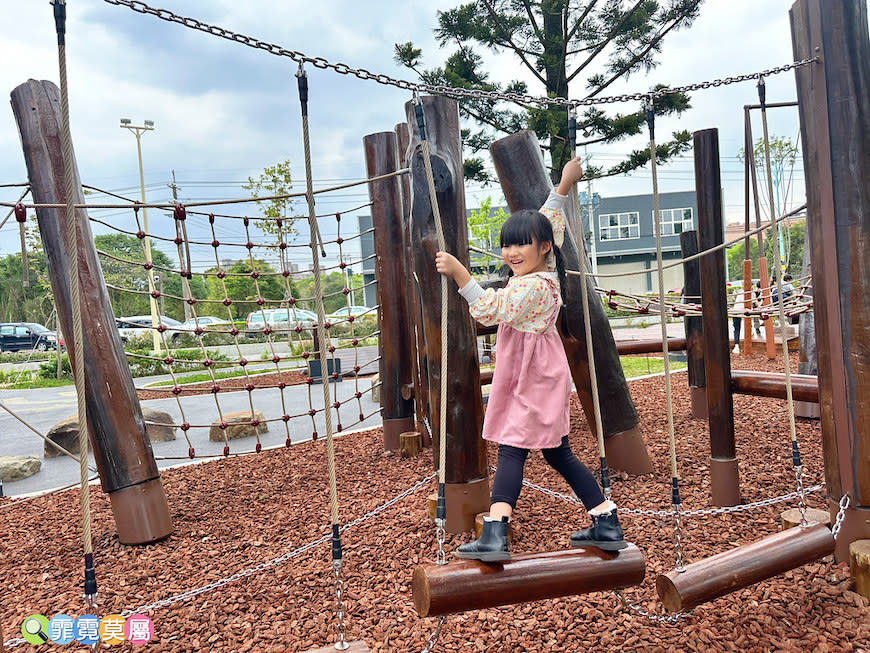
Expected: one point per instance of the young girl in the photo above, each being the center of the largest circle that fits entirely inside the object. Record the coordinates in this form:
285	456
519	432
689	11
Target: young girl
528	402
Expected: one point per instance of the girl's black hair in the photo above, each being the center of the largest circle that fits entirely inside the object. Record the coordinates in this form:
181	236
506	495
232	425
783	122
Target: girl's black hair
524	226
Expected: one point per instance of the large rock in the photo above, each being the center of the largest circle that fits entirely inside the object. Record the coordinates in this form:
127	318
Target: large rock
15	468
158	424
66	432
376	388
238	425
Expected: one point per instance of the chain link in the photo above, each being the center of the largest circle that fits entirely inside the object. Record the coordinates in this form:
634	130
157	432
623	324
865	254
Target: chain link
341	644
838	521
802	504
433	638
666	619
437	89
678	538
690	513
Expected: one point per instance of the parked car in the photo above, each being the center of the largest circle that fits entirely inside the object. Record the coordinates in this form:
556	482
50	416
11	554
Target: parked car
280	318
357	312
16	336
136	325
205	322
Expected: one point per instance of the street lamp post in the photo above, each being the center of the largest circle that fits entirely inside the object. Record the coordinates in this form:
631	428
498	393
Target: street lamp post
138	130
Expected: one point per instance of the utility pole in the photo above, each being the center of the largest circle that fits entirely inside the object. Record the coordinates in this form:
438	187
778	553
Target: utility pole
183	262
589	211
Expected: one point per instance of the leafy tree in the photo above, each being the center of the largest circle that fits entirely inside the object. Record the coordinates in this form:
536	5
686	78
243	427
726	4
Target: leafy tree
331	285
556	41
484	226
795	234
242	290
122	258
33	302
783	154
274	180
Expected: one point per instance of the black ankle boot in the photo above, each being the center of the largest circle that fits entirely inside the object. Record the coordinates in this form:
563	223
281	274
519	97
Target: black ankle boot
492	544
605	533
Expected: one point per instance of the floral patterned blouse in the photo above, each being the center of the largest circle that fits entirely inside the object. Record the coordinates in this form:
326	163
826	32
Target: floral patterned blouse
529	302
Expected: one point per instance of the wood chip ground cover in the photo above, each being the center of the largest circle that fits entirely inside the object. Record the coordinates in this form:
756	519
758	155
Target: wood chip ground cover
233	515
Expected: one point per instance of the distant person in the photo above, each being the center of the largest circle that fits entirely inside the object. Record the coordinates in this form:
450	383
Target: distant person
737	319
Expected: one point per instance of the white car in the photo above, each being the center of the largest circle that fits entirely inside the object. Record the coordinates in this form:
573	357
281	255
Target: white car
205	322
280	318
136	325
357	312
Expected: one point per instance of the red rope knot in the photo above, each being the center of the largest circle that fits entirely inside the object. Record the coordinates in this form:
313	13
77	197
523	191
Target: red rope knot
169	360
342	265
180	213
357	394
285	417
260	301
20	212
220	273
234	331
258	447
249	245
250	388
287	442
255	274
268	330
178	240
285	273
291	301
214	390
140	234
334	375
327	325
176	389
246	220
276	359
310	381
161	328
208	362
211	218
282	385
312	412
227	301
339	240
346	291
331	348
306	354
243	361
148	265
255	422
279	222
155	294
297	329
216	243
223	425
186	427
356	369
191	452
314	435
339	428
354	342
226	450
338	216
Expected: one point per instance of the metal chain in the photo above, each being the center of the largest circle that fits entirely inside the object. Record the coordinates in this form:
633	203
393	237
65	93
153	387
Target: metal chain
666	619
341	644
437	89
802	503
838	521
678	539
433	638
691	513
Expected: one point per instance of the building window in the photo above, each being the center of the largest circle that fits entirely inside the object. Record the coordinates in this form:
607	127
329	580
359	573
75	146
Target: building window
676	221
619	226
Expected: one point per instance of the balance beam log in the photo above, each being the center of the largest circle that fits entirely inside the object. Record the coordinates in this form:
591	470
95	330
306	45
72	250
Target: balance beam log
743	566
805	387
473	585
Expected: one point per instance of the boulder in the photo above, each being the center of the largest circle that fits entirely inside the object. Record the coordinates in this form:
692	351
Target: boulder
239	425
15	468
158	424
66	434
376	388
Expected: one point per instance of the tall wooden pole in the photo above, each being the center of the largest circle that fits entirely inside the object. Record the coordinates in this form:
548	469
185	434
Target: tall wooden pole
121	447
808	362
381	152
415	318
467	479
833	97
526	185
724	480
694	325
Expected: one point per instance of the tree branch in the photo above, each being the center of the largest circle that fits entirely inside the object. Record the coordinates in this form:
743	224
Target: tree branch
510	44
579	21
607	40
532	20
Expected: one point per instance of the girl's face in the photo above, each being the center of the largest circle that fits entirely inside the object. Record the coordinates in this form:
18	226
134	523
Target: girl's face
523	259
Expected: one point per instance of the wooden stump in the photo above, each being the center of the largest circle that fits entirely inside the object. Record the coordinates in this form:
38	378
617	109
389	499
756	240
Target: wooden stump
859	566
410	444
353	647
792	517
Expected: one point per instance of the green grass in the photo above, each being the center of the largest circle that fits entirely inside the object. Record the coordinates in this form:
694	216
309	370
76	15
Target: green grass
633	366
205	376
26	380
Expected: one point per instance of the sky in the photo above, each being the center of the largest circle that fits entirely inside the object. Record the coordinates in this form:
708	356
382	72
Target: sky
224	111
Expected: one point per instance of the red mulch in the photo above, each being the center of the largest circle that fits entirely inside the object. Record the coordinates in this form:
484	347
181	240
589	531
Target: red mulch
270	380
231	515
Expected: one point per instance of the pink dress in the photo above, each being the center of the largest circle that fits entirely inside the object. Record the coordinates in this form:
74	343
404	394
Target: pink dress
528	402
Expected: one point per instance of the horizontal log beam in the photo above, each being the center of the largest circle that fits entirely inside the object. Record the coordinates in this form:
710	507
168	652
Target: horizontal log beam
472	585
804	387
743	566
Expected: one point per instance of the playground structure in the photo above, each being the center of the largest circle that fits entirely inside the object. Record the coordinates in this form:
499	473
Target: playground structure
409	372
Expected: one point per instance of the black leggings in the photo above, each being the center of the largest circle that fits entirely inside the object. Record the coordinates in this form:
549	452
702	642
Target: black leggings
508	479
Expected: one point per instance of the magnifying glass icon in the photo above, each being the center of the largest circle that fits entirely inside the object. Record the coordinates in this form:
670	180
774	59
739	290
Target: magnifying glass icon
33	627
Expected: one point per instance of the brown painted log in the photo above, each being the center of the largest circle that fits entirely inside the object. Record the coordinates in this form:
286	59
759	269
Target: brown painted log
791	518
122	450
772	384
859	566
833	96
526	185
382	158
648	345
415	317
472	585
466	450
743	566
724	480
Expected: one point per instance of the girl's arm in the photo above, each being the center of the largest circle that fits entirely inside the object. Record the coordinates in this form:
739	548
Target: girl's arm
449	265
554	207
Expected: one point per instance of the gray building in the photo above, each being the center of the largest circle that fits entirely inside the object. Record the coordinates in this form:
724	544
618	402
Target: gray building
624	237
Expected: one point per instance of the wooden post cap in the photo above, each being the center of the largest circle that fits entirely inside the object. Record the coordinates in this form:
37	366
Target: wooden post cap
792	517
410	444
859	566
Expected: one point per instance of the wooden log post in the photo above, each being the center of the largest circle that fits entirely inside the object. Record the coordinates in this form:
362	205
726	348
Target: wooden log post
382	158
122	450
410	444
859	566
724	479
467	478
791	518
694	325
772	384
473	585
743	566
526	185
415	318
833	96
